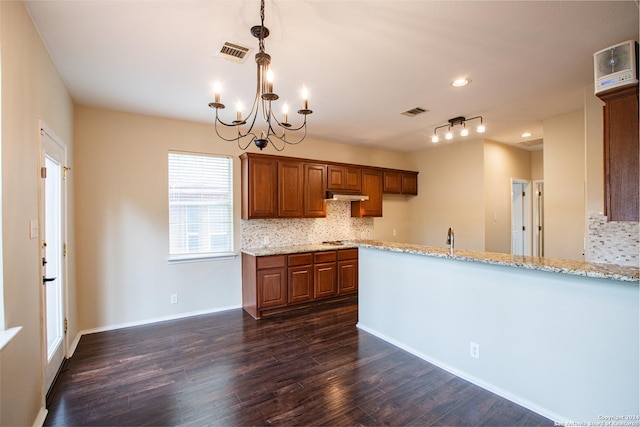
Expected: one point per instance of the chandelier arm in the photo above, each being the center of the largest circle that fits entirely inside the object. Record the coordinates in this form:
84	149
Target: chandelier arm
289	142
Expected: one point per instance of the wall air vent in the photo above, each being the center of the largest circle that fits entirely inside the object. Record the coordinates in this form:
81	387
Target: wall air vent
414	112
233	51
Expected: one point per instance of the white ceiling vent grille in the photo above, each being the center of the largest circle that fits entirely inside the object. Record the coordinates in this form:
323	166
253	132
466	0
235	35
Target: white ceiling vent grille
414	112
233	51
532	143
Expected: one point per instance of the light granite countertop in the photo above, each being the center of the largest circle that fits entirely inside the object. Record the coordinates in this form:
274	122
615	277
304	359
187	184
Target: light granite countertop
297	249
577	268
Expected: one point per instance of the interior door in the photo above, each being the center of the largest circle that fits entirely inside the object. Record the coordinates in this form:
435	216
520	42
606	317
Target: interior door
52	232
520	217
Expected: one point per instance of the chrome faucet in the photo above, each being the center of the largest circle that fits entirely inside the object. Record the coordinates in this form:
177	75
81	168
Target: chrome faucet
450	240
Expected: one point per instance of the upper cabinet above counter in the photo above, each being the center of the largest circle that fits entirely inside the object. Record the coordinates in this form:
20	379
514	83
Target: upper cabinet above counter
287	187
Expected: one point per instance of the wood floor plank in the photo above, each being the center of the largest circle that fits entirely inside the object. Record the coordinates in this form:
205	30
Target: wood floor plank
311	367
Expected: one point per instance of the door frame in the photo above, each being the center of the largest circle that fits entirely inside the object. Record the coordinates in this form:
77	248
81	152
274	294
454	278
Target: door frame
538	218
44	129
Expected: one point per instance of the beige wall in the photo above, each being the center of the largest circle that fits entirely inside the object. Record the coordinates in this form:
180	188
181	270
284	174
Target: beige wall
31	90
594	161
537	165
450	186
121	200
502	163
564	178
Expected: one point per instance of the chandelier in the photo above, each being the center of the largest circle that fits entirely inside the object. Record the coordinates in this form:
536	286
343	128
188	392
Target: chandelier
457	121
275	130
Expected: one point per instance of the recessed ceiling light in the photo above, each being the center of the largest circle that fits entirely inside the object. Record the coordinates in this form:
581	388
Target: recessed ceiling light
526	135
460	82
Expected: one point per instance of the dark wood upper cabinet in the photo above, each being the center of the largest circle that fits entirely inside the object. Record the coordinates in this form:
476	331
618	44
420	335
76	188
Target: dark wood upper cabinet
372	187
344	178
392	182
287	187
410	183
259	187
290	189
621	154
400	182
315	189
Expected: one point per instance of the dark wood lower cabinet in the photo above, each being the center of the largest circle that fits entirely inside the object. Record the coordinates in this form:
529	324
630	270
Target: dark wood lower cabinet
278	282
347	271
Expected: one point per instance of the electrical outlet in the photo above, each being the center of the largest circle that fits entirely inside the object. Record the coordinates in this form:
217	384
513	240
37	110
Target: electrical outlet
474	350
395	233
265	240
174	298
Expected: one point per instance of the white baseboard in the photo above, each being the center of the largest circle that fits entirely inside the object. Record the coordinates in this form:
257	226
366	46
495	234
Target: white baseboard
471	378
82	332
42	415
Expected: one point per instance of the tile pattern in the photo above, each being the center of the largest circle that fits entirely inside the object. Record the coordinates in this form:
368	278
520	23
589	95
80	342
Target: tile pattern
338	225
615	242
576	268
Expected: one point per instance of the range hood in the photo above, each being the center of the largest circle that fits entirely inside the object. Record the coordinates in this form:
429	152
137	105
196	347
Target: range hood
349	197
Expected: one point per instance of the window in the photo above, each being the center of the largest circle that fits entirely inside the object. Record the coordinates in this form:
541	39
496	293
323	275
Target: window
200	206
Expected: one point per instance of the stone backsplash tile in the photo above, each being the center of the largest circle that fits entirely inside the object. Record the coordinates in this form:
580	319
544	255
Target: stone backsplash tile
338	225
615	242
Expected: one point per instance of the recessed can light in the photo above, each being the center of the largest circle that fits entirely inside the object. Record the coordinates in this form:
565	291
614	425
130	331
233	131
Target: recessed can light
460	82
526	135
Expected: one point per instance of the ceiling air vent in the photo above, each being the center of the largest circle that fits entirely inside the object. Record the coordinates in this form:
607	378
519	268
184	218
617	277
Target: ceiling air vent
414	112
233	52
532	143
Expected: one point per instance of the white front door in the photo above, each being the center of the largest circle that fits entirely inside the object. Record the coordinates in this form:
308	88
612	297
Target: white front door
52	239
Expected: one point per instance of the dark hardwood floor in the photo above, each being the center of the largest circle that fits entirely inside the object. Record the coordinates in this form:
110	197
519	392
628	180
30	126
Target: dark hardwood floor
313	367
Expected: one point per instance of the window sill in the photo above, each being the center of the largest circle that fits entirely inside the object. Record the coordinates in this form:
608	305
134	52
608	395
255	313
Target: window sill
6	336
202	258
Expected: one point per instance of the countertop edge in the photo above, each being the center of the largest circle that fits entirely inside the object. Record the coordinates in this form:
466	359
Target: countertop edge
575	268
297	249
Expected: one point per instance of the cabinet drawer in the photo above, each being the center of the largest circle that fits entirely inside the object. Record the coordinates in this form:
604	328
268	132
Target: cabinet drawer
328	256
300	259
270	261
347	254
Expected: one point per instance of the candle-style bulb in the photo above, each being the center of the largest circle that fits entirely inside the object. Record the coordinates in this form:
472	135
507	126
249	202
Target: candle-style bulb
270	80
239	111
305	97
216	91
285	112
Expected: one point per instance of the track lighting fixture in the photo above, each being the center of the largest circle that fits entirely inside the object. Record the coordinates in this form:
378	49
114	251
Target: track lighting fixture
455	122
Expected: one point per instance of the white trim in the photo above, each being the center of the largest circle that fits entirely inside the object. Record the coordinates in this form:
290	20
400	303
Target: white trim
41	417
150	321
202	258
7	335
467	377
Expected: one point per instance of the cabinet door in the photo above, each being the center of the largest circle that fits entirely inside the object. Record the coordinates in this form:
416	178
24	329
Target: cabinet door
621	154
410	183
346	178
315	189
325	280
372	187
259	188
353	179
272	288
335	177
290	189
300	286
347	276
392	182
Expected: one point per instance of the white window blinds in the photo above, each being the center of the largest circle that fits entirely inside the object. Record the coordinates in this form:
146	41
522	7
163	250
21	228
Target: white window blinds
200	206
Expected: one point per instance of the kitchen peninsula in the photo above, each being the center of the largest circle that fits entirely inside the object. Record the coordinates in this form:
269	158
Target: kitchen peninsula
558	337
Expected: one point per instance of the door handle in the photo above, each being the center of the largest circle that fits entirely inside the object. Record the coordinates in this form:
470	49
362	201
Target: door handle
48	279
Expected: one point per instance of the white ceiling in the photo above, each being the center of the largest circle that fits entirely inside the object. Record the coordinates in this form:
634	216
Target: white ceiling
364	62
